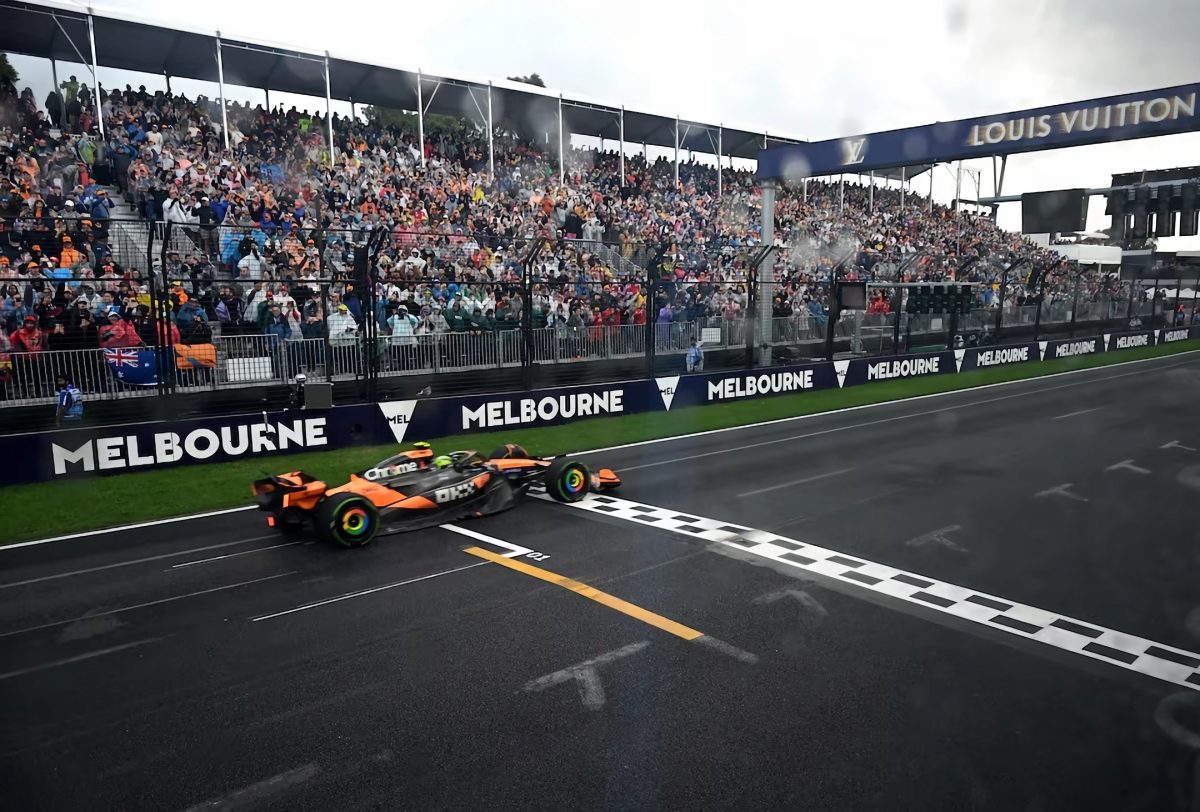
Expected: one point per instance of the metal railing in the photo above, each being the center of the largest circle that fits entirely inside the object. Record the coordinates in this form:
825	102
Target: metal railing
243	360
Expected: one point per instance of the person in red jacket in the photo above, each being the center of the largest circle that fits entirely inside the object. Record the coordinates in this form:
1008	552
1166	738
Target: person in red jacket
29	347
166	339
29	338
118	333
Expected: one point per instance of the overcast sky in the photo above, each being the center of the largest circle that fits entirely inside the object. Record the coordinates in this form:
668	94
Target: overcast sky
813	70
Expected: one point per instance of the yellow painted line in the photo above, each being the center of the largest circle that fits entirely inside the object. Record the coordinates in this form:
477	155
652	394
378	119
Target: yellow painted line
579	588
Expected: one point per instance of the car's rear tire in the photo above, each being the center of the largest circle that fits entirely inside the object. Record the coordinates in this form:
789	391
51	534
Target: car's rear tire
348	520
568	480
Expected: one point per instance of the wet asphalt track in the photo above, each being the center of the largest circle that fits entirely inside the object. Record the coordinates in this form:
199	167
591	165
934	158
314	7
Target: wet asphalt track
185	664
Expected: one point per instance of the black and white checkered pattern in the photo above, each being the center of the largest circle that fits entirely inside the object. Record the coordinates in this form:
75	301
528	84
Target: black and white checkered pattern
1123	650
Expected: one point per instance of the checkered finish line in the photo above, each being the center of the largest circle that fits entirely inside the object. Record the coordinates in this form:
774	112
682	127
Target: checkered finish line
1113	647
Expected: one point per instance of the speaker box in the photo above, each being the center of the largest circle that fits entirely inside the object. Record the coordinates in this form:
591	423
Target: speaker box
1189	218
318	396
1164	218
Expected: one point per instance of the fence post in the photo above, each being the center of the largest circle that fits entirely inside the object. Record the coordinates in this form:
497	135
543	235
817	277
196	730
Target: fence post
1037	317
651	320
753	317
897	305
1153	302
527	353
160	305
1000	298
1075	299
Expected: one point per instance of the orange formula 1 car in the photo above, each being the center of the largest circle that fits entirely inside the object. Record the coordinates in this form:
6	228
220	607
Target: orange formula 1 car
416	489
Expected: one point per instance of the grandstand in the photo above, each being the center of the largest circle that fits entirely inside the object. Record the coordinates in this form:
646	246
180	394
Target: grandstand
157	244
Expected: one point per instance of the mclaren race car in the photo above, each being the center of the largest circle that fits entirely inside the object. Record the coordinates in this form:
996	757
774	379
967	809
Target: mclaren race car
416	489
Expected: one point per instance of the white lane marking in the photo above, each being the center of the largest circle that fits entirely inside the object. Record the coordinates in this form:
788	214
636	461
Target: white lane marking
1076	414
80	658
235	555
1090	640
760	424
1177	444
259	791
137	526
587	675
938	537
902	401
371	591
1127	465
1062	490
147	604
881	421
809	603
727	649
131	562
796	482
514	550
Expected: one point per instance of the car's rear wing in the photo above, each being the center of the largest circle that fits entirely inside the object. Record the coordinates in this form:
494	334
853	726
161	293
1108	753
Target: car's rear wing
296	489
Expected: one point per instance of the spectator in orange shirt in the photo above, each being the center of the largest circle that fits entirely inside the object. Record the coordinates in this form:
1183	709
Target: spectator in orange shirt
70	256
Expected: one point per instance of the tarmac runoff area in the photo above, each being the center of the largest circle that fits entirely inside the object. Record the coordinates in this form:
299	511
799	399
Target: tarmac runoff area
987	600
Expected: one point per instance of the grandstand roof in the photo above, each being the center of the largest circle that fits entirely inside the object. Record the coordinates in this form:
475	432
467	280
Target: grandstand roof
131	44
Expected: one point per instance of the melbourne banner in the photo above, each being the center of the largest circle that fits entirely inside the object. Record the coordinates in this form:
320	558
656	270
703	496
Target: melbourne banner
140	446
1113	118
117	449
1178	334
983	357
441	417
1129	341
1071	347
869	370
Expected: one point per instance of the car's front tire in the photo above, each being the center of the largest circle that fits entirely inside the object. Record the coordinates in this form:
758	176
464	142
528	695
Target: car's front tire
567	480
348	520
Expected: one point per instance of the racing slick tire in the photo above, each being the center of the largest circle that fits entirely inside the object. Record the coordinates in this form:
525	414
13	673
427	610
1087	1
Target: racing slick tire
567	480
348	520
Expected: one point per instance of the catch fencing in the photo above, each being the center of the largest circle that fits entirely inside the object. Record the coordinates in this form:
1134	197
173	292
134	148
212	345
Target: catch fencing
348	315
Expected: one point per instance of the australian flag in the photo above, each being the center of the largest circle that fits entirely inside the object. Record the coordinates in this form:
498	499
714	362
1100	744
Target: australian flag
135	367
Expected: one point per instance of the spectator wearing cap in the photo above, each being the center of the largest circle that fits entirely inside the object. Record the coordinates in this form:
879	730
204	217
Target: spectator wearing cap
402	326
28	344
188	310
342	325
70	401
206	216
117	332
100	207
196	330
343	337
29	338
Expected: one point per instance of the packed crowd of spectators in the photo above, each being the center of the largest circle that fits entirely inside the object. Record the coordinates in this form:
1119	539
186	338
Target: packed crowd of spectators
259	228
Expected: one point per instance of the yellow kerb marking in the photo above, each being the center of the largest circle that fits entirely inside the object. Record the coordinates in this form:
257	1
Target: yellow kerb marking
611	601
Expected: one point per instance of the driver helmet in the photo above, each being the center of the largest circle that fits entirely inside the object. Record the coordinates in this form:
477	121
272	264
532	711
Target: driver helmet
442	461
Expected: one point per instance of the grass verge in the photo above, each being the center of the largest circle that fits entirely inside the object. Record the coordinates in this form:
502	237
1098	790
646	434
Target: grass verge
54	508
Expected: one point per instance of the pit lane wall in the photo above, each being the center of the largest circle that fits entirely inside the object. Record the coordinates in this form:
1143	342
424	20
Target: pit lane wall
46	456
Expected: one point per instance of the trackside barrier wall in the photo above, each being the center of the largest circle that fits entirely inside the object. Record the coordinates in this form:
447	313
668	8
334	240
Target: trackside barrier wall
45	456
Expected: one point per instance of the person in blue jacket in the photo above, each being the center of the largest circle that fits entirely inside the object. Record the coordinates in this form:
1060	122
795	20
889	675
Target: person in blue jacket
70	401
